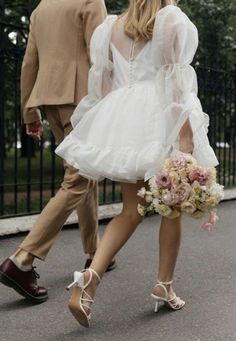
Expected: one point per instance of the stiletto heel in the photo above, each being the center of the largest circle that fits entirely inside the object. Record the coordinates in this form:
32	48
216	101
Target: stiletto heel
156	307
70	285
174	303
79	297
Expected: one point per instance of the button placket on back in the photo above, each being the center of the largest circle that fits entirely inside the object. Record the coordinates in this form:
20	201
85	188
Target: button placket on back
131	61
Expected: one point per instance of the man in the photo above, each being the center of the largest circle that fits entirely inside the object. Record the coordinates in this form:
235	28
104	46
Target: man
54	80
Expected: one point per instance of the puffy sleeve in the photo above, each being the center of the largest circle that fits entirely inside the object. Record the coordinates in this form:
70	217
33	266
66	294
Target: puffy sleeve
99	73
175	41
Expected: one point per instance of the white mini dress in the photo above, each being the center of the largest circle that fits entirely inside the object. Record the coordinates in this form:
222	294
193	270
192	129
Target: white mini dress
129	122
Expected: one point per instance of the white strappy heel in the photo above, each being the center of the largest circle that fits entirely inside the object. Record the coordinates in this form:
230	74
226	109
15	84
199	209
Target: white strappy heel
174	303
79	297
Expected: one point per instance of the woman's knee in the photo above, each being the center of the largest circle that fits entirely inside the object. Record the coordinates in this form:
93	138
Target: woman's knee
132	216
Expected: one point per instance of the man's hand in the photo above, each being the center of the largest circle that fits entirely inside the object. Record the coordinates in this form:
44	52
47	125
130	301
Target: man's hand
35	129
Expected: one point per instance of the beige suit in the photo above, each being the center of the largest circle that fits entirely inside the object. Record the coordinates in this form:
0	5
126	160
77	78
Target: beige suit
53	80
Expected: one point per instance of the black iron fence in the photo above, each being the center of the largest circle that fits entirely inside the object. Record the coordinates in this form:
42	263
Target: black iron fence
30	173
217	91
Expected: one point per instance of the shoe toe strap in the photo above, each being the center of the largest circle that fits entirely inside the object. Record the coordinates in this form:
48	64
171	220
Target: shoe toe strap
176	301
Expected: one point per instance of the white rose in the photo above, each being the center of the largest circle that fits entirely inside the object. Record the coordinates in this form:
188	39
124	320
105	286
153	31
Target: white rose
217	190
142	192
153	187
155	202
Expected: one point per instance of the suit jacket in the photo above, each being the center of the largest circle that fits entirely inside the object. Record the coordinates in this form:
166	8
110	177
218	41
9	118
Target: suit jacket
56	62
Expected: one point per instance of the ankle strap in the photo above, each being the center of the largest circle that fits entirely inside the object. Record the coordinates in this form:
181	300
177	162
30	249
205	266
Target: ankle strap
94	272
164	283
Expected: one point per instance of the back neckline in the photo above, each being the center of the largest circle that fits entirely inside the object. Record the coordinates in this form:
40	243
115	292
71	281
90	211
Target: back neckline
136	57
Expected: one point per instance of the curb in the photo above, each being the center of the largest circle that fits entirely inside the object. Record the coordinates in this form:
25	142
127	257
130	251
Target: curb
15	225
23	224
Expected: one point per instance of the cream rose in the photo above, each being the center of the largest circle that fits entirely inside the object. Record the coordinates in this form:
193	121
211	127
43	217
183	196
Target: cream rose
148	198
163	210
174	214
198	214
188	207
141	210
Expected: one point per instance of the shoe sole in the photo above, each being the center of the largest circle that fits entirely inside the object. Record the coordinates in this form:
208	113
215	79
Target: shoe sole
9	282
75	309
79	315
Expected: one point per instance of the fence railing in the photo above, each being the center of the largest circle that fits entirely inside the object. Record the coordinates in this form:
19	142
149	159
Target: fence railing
30	173
217	91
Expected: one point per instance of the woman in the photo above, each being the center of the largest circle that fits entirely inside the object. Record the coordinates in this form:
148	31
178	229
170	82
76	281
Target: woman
142	103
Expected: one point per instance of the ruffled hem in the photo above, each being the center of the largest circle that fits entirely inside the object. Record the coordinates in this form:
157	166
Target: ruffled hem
125	164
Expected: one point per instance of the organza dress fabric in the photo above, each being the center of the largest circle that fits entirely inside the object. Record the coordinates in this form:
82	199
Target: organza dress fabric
132	116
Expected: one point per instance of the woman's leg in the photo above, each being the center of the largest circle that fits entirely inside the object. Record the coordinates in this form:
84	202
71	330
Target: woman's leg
169	242
117	233
119	229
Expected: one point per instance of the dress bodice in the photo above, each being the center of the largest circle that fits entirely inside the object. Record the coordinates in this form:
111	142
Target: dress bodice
130	71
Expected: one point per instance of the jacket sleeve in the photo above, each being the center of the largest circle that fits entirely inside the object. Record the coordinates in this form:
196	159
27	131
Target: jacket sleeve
29	72
94	13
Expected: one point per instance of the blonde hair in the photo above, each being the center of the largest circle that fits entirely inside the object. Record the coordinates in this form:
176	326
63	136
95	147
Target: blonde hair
140	17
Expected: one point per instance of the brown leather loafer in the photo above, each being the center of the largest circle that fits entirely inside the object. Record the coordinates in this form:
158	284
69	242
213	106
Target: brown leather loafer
24	282
110	267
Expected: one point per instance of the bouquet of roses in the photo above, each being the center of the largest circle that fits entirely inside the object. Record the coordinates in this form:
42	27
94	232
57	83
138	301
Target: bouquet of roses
183	187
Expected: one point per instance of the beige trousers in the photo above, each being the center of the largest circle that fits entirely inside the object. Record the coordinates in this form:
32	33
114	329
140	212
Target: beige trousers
76	193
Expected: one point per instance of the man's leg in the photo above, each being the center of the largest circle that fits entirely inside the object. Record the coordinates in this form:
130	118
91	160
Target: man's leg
73	191
17	271
87	209
54	215
88	223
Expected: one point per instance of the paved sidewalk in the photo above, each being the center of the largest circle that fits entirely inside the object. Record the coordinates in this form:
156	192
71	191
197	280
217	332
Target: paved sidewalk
123	310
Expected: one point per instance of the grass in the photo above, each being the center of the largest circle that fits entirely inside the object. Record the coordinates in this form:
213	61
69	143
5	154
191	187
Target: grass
22	170
23	188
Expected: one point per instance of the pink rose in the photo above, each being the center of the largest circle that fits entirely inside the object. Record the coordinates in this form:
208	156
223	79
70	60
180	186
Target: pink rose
207	226
179	162
163	179
199	174
213	218
183	192
170	199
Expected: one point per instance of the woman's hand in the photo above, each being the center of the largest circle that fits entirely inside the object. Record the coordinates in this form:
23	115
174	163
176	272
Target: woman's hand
186	138
186	145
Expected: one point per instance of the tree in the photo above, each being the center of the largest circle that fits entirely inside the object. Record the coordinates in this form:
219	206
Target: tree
116	6
216	22
14	18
